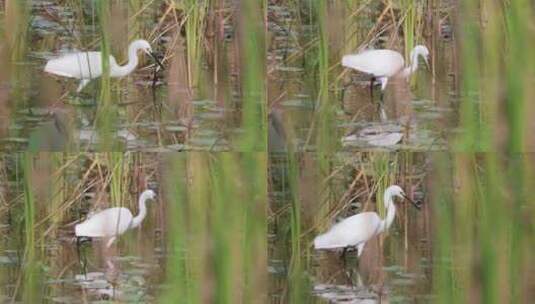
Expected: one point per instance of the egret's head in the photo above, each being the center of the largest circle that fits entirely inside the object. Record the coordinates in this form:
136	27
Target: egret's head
145	46
142	45
421	50
396	190
149	194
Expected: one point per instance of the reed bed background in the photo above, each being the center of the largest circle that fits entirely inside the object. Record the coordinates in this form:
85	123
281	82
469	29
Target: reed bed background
211	217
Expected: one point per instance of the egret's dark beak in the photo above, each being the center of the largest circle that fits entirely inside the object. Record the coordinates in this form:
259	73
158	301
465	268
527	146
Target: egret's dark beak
427	63
418	204
151	54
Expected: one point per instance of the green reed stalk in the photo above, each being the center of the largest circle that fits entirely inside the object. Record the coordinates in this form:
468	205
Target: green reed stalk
444	278
195	14
226	220
248	213
107	112
466	215
326	142
481	243
325	115
350	42
30	267
409	26
351	39
218	228
252	70
493	215
490	238
197	207
16	25
492	37
518	233
519	71
59	190
295	272
136	25
476	137
254	166
178	271
118	164
384	169
103	13
412	25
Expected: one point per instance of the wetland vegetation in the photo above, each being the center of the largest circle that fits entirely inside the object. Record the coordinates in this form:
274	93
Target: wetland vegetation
256	139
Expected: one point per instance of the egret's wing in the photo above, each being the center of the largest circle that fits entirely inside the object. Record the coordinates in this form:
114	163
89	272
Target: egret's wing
78	65
349	232
376	62
109	222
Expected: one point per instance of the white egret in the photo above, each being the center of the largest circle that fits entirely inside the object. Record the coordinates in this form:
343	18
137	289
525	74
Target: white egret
356	230
88	65
384	64
113	222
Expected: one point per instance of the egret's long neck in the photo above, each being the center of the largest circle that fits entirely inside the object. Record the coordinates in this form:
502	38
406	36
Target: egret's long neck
142	211
126	69
413	64
390	211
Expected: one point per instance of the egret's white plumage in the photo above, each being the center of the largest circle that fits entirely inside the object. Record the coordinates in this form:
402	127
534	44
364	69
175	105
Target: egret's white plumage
356	230
88	65
113	222
384	64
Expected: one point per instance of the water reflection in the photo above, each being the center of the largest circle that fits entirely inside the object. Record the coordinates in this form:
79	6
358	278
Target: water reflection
367	280
123	279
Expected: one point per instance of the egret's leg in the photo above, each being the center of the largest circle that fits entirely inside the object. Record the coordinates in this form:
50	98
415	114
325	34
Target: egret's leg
83	83
382	112
349	277
110	241
78	246
372	80
407	128
81	258
380	109
343	255
110	264
78	250
383	81
342	95
359	280
360	247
